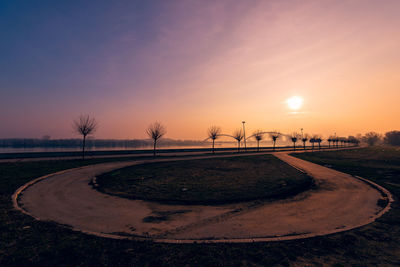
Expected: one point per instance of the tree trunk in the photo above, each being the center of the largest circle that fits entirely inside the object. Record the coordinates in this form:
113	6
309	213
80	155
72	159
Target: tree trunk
313	146
319	145
294	146
154	148
83	147
258	146
238	146
213	151
304	145
274	145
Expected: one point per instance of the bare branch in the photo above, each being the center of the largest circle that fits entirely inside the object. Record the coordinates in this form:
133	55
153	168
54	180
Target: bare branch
275	135
238	135
258	135
156	130
85	125
294	137
305	138
214	132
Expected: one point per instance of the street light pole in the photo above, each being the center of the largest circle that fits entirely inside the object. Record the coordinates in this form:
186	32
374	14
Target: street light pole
244	136
337	141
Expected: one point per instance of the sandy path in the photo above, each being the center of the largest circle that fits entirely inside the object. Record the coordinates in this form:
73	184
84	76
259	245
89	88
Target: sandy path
340	202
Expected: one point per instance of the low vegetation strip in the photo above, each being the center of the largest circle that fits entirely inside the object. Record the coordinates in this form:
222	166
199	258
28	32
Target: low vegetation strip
207	181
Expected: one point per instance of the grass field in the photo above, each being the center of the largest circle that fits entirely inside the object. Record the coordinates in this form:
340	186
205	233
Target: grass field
26	242
207	181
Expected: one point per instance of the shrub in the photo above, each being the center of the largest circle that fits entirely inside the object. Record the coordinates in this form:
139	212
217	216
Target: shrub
392	138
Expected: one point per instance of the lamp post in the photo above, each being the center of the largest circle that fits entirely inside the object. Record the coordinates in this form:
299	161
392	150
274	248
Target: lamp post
244	136
337	141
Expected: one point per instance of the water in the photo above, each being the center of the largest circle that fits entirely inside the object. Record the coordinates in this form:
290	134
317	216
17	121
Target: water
73	149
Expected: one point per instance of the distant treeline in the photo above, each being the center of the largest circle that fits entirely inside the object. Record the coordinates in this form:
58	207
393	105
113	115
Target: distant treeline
106	143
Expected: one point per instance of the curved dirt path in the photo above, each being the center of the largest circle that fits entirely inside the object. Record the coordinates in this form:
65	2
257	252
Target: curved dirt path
340	202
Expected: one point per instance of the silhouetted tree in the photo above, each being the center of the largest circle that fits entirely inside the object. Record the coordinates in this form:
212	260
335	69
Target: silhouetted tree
238	136
330	139
392	138
350	140
294	139
304	140
342	141
319	140
371	138
156	131
275	136
213	133
84	125
258	135
313	140
336	141
356	141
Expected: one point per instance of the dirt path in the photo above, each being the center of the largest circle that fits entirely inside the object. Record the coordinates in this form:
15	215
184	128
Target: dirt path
340	202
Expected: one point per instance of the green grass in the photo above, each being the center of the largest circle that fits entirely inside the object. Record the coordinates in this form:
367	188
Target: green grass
26	242
207	181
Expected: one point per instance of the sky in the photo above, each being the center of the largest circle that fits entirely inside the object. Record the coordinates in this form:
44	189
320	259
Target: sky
193	64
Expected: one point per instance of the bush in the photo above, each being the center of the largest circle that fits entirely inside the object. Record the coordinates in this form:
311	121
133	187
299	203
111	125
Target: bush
392	138
371	138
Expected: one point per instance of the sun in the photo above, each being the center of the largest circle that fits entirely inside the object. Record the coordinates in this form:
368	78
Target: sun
295	102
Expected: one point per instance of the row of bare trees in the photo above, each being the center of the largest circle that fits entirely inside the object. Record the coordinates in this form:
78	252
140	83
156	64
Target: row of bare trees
215	132
342	141
295	137
86	125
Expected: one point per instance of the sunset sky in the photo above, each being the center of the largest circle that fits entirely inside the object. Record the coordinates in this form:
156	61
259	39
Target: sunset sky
192	64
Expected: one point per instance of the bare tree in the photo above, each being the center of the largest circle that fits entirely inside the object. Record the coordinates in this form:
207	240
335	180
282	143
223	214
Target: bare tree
155	131
275	136
213	133
372	138
342	140
84	125
304	139
353	140
238	136
346	141
319	140
313	140
294	139
331	139
258	135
